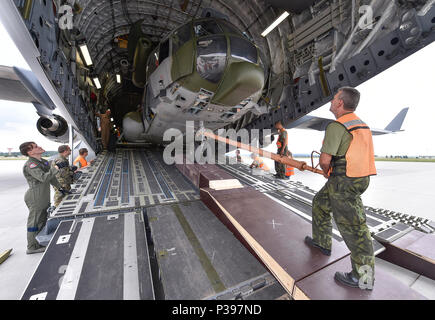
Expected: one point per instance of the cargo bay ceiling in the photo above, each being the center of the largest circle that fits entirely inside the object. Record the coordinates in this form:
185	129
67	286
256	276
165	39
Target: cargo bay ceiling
321	46
105	24
101	22
330	30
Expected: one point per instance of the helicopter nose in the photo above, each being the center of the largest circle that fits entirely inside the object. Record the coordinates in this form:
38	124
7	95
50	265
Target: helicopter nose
241	80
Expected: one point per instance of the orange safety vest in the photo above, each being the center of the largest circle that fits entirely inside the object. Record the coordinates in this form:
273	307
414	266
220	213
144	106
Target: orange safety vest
278	143
83	162
289	171
260	163
360	157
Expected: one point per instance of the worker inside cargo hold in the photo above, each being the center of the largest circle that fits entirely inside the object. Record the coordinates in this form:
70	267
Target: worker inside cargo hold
258	163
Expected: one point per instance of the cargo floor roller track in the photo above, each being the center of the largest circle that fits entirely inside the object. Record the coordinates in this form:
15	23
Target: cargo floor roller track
180	249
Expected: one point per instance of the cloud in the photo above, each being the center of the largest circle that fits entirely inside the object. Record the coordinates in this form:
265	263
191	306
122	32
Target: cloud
15	133
12	56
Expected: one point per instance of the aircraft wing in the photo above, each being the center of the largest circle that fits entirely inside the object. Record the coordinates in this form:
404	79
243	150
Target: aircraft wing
22	86
310	122
320	124
394	126
378	132
11	87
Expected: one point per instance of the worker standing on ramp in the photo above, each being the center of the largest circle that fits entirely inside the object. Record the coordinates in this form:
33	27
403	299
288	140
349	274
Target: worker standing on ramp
238	156
289	170
105	127
347	160
282	144
258	163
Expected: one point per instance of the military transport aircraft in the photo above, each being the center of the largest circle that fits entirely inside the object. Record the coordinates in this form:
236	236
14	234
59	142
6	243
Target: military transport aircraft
192	63
320	124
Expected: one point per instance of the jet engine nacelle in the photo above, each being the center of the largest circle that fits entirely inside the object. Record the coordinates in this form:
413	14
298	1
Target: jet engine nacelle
54	128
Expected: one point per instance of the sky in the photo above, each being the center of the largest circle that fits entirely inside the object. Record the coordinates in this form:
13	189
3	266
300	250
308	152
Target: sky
410	83
18	120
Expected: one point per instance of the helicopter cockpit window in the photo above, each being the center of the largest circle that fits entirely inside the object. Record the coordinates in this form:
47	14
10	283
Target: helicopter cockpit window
211	57
205	28
153	62
243	49
164	51
228	27
181	36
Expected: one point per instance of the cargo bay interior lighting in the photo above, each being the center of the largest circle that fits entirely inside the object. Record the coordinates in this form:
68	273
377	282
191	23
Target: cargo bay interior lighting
85	53
97	83
275	24
118	78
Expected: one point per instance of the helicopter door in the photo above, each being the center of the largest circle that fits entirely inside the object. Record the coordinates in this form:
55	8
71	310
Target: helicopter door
148	114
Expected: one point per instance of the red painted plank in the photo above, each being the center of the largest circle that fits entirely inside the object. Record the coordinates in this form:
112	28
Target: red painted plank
276	230
414	251
322	286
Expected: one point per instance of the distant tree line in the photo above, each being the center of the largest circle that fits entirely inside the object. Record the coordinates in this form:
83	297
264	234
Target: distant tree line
397	157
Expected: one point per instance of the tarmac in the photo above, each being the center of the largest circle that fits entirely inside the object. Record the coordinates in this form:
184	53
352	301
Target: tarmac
400	187
17	270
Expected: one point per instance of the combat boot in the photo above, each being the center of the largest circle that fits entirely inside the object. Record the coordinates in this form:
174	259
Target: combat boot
309	241
349	280
38	250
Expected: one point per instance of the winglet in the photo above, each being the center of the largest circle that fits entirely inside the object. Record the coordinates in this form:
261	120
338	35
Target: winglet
397	122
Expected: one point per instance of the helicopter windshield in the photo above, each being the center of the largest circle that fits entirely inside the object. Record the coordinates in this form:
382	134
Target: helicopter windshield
207	27
211	57
228	27
243	49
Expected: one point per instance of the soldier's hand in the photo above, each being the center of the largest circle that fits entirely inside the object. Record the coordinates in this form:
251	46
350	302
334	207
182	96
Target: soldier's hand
64	191
61	165
74	168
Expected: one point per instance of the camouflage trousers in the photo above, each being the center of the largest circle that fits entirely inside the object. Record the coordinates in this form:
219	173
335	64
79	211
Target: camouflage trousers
280	169
58	196
341	195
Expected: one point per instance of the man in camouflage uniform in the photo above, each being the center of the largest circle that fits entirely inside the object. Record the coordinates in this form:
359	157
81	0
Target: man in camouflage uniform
341	195
39	176
65	174
105	127
282	145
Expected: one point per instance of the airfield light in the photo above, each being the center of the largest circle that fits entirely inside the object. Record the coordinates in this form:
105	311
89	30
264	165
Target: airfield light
118	78
275	24
85	53
97	83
